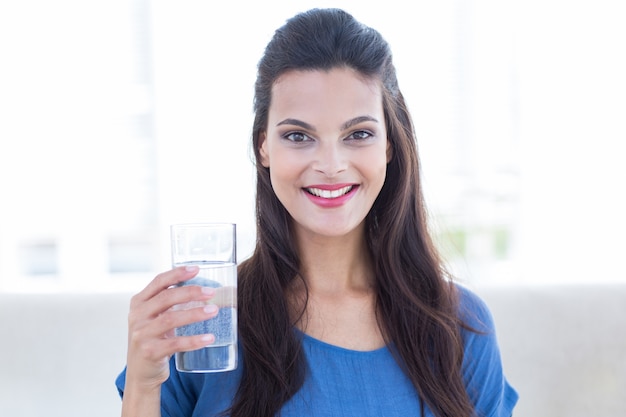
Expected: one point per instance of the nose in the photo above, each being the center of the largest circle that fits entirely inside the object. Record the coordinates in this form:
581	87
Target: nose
330	159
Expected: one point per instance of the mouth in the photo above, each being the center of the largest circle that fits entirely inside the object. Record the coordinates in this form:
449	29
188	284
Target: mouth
329	194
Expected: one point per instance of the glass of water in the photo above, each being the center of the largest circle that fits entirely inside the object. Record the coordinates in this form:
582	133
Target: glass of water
212	248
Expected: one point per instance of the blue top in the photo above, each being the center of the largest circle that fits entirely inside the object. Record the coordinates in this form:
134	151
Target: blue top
343	382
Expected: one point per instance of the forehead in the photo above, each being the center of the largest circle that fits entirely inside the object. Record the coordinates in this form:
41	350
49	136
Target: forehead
340	92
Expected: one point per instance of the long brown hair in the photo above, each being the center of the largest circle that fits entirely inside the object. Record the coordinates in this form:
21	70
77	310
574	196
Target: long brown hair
417	306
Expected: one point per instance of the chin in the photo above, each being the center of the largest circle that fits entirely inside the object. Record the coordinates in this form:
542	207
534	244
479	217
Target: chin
331	230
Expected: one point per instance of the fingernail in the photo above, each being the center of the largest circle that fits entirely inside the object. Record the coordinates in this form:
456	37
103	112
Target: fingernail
210	308
191	268
208	290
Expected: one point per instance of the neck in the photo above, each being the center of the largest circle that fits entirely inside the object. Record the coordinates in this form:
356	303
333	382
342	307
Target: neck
338	304
339	264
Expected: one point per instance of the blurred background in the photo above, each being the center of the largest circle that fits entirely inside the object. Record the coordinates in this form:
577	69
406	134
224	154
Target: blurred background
121	117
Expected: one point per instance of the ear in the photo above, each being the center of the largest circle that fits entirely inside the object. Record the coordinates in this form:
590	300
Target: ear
265	160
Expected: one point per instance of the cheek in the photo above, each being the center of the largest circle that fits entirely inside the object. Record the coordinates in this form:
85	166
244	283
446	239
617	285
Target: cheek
377	164
284	170
382	174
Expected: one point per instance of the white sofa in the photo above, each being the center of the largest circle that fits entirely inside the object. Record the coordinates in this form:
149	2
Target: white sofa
564	349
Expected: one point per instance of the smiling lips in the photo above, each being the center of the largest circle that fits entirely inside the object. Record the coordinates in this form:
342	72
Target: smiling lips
328	193
329	196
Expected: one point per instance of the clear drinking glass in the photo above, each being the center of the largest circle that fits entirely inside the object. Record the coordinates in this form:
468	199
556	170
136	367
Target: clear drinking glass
211	247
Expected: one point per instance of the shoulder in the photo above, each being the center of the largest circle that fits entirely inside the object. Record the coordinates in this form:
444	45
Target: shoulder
487	385
481	350
473	311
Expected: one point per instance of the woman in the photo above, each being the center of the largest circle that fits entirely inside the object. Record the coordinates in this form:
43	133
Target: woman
344	307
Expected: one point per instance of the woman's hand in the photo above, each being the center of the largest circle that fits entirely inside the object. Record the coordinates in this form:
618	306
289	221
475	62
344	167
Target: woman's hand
151	323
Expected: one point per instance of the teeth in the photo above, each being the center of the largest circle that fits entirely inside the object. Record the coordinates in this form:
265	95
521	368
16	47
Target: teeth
329	193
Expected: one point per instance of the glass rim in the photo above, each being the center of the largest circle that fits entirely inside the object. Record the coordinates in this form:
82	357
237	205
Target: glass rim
200	224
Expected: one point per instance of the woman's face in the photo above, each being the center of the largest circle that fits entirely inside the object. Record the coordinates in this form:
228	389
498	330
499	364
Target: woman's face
326	148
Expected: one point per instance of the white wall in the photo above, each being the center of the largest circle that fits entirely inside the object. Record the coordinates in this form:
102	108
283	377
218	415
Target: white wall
518	108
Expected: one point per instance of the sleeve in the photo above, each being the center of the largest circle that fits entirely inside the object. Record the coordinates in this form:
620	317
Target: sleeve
177	397
487	386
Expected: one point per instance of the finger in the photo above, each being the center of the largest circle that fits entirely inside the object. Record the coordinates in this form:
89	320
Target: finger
185	297
166	280
187	343
170	278
172	319
148	334
141	314
158	351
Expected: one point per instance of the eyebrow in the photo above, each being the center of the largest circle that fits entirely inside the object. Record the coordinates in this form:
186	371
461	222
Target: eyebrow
346	125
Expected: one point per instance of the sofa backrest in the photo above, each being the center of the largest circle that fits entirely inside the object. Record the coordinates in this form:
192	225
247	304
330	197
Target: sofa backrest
563	348
60	354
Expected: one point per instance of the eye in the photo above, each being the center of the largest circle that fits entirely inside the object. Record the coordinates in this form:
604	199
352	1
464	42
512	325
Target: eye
360	135
297	137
